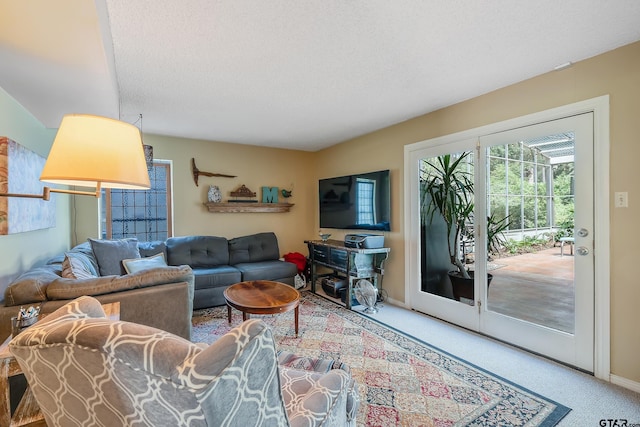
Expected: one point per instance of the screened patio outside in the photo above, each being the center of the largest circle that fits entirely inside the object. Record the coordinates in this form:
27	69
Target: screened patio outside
529	186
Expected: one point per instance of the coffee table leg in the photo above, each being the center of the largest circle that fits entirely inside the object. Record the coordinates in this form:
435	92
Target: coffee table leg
229	313
245	316
296	317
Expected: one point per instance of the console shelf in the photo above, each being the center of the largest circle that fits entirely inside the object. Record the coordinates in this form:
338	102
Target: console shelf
248	207
353	263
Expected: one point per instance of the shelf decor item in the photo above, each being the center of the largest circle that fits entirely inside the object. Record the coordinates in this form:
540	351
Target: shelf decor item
269	194
245	193
324	236
214	195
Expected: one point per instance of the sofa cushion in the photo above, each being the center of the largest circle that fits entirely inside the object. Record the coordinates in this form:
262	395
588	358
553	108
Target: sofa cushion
73	288
31	286
214	277
197	251
267	270
253	248
155	247
138	264
77	265
110	253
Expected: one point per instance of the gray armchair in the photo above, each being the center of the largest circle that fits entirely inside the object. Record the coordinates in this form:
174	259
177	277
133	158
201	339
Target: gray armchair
84	369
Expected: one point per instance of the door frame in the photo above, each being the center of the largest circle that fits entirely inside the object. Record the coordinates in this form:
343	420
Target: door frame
600	108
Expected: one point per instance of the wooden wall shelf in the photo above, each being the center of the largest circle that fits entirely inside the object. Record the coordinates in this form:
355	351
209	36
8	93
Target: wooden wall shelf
248	207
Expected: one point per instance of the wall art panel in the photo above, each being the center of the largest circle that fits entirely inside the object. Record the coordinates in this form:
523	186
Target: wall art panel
20	170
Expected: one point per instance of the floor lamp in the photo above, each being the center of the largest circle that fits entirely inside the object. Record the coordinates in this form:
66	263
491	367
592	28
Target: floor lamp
95	152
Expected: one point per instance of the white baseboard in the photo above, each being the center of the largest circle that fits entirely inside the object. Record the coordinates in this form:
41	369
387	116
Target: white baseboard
624	382
396	303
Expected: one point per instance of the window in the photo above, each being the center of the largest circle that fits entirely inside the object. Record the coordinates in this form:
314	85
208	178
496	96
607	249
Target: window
145	214
365	191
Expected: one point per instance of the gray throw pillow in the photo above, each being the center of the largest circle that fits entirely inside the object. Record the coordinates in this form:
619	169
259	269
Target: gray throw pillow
110	253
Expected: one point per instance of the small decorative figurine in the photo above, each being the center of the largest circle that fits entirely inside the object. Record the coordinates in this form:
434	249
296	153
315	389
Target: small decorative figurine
214	195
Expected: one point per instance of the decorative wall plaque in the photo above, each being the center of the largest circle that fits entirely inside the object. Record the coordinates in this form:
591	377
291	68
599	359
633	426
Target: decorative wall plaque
20	170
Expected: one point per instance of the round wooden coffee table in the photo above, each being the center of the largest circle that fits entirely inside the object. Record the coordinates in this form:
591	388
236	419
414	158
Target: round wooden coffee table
262	297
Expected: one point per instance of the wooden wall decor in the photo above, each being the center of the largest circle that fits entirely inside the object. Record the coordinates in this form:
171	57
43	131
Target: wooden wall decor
243	191
197	172
20	170
243	207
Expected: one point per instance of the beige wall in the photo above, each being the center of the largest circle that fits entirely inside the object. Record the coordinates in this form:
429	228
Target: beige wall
254	167
616	73
19	252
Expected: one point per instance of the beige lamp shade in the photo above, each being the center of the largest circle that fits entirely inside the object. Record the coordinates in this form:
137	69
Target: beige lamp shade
98	152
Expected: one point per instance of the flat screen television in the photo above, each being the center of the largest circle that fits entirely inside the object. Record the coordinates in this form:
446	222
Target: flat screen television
361	201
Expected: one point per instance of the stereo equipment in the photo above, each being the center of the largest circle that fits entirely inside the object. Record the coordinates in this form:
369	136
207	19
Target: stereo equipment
333	285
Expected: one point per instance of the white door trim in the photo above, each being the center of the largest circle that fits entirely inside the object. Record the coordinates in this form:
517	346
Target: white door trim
600	108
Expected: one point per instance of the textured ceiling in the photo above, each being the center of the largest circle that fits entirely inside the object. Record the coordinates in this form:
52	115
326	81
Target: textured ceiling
290	74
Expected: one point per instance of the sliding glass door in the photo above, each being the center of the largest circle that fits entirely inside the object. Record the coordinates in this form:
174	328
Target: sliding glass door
512	212
446	187
542	294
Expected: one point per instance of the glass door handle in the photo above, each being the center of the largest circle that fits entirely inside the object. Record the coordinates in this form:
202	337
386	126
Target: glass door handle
581	250
583	232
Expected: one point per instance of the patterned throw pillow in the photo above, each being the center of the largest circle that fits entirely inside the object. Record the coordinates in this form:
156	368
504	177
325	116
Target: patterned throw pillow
77	266
110	253
139	264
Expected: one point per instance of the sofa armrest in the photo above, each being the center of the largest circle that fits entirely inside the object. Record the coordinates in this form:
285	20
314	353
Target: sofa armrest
290	360
237	377
315	399
31	286
64	289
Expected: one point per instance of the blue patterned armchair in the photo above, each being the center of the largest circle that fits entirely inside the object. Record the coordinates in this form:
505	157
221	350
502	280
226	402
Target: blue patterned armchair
84	369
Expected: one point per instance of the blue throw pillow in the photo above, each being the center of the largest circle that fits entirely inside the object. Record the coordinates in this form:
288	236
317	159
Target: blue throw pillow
139	264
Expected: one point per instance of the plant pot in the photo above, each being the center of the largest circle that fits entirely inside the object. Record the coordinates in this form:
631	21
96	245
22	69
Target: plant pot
462	287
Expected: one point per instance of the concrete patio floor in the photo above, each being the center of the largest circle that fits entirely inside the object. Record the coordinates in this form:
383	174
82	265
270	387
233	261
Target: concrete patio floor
536	287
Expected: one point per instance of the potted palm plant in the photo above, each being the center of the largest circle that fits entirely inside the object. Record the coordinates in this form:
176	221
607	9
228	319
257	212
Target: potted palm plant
447	190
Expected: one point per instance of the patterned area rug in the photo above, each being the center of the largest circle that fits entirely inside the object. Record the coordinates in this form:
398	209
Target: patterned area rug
402	381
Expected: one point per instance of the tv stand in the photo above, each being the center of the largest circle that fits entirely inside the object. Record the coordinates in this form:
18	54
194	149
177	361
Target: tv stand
353	263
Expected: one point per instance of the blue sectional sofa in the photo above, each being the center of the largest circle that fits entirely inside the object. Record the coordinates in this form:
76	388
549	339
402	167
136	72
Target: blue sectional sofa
218	263
199	269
